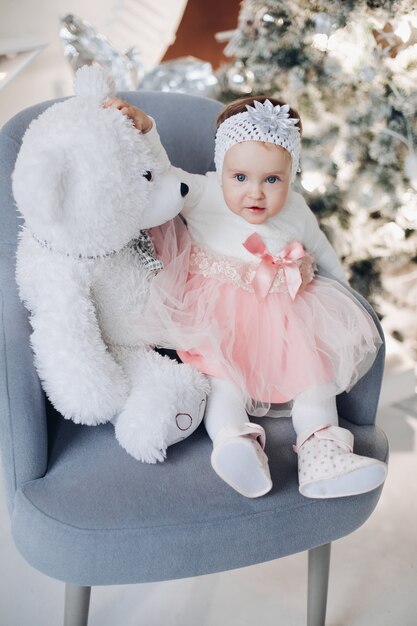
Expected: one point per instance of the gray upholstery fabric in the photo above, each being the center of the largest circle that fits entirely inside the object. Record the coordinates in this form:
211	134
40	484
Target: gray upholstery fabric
85	512
99	517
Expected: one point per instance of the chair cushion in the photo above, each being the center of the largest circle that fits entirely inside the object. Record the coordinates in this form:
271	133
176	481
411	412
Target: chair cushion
100	517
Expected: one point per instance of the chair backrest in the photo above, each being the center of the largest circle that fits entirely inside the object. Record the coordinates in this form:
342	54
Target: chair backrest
186	126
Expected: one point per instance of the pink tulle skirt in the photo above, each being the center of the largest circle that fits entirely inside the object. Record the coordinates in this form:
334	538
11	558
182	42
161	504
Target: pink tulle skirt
204	306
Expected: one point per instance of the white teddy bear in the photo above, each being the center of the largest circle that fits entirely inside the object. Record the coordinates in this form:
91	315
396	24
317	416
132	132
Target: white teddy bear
88	185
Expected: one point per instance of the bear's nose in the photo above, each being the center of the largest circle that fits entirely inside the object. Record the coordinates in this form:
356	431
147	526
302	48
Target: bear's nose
184	189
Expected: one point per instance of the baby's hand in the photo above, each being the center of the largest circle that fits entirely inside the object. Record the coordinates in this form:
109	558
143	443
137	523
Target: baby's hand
140	120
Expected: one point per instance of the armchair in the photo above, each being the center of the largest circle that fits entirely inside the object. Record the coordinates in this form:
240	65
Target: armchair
84	512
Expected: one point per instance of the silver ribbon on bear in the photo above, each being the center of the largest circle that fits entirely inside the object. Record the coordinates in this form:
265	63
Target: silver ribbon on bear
143	245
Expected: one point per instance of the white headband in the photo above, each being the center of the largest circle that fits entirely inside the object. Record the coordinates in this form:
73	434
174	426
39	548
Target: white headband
263	122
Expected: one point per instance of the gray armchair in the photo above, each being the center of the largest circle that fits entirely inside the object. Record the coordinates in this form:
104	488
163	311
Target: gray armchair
86	513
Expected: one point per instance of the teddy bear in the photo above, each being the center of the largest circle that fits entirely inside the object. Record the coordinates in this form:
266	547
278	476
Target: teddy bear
89	188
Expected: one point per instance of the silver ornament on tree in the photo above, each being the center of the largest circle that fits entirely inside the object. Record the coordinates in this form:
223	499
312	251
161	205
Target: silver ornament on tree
240	79
268	21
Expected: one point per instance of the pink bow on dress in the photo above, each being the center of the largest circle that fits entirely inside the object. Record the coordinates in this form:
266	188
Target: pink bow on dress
269	265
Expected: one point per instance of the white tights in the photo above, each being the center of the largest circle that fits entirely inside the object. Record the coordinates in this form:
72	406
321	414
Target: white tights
314	407
226	408
243	465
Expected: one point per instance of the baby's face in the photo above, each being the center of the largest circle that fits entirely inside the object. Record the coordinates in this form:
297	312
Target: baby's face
256	179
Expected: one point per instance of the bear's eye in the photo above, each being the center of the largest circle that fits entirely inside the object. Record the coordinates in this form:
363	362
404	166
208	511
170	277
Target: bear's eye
148	175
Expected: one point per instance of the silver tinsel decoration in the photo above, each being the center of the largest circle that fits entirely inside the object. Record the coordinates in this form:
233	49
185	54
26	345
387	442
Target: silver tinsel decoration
183	75
84	45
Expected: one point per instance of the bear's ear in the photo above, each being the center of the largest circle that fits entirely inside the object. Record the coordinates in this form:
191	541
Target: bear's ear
94	84
39	185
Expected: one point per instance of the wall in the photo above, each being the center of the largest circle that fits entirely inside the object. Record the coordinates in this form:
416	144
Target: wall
201	20
49	75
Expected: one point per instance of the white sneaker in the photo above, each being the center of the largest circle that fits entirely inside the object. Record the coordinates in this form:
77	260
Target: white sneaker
238	458
328	468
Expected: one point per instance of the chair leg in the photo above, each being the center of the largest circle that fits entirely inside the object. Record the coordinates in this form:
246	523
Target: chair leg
77	603
318	580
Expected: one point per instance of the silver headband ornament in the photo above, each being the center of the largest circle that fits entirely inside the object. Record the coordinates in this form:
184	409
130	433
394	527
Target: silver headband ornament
261	122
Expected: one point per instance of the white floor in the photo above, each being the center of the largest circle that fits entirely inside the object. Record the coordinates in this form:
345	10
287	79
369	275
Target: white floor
373	579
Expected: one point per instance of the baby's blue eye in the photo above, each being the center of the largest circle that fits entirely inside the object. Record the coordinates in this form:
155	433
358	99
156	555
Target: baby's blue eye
272	179
240	177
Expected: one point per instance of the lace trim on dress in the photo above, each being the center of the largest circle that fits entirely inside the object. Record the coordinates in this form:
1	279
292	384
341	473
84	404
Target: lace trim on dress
241	274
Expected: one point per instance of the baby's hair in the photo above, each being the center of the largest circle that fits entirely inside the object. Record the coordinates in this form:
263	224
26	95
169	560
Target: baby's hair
239	106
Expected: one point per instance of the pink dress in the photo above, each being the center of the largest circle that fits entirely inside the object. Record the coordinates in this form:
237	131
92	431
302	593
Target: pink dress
270	325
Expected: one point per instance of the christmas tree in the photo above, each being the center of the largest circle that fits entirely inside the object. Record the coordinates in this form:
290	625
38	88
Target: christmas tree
350	68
